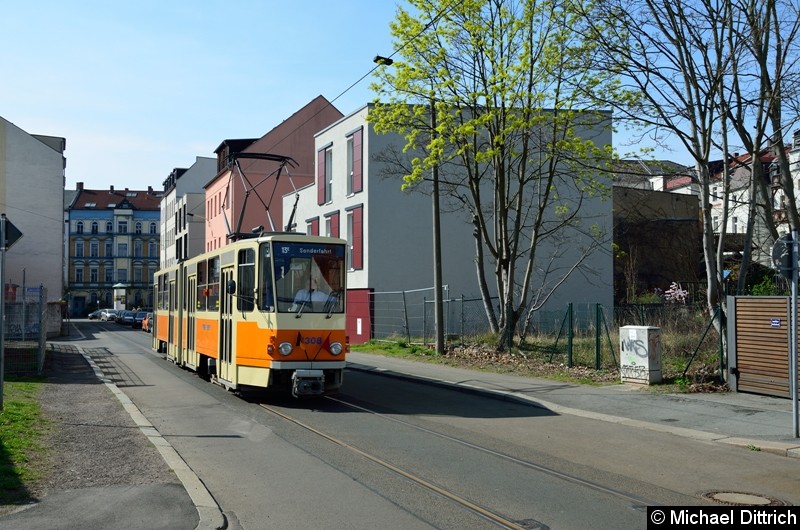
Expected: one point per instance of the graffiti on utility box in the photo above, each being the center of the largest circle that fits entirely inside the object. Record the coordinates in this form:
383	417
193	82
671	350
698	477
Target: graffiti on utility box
640	354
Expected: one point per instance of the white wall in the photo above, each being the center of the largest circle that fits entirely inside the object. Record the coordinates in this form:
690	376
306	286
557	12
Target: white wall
398	229
31	196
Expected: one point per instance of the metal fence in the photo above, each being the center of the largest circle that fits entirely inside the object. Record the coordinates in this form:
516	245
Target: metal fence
25	333
410	316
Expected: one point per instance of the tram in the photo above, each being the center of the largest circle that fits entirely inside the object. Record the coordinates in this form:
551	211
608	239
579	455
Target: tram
264	312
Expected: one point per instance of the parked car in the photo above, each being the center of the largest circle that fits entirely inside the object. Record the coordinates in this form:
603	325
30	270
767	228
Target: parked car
108	315
147	323
138	319
95	315
125	318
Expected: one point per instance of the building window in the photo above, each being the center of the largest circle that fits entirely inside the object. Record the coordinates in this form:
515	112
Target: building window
109	249
79	249
355	169
153	249
332	225
94	227
122	227
153	228
94	249
137	274
109	227
355	238
138	247
122	250
324	175
93	275
79	227
109	274
138	227
312	227
79	275
122	275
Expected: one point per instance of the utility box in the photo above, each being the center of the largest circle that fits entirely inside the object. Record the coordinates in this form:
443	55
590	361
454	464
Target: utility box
640	354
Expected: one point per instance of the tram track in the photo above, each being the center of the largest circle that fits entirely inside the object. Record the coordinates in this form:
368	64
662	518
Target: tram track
500	520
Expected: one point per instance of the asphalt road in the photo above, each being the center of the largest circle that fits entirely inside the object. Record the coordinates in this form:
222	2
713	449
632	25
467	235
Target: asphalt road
394	453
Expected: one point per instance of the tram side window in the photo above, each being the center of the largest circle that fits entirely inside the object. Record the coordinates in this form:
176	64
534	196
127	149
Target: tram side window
202	287
213	284
266	294
246	285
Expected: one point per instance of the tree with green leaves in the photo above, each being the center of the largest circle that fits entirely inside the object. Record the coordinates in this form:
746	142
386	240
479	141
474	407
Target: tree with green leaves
483	91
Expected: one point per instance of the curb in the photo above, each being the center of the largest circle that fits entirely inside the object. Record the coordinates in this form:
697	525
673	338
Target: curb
790	450
211	517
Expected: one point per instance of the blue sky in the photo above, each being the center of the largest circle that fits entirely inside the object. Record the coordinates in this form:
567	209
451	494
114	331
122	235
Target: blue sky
140	88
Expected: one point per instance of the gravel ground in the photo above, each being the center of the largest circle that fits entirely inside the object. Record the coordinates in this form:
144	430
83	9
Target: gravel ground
90	440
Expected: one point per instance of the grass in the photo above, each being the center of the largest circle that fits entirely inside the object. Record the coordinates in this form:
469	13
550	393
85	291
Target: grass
689	355
21	428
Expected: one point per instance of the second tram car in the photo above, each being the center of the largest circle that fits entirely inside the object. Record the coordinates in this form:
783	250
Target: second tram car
265	312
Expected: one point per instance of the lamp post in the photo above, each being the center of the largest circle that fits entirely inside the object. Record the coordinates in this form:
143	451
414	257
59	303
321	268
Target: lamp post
436	222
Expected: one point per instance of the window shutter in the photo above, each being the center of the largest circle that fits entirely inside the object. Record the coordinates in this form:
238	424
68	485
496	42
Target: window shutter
314	227
358	166
358	238
335	224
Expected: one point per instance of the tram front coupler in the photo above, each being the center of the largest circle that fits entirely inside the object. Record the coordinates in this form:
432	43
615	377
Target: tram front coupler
308	383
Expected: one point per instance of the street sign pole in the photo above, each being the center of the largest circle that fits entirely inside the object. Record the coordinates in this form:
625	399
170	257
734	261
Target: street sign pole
793	338
2	305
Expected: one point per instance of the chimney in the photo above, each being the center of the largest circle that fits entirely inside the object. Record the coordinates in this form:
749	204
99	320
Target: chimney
150	190
111	189
79	186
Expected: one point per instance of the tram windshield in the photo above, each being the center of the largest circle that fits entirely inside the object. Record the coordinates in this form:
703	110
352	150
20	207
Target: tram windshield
309	277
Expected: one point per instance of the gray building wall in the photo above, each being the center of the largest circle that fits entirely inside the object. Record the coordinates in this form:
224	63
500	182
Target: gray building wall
32	197
189	180
398	231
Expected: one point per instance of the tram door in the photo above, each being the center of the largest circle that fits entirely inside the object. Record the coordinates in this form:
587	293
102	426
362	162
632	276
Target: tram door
191	305
227	359
173	320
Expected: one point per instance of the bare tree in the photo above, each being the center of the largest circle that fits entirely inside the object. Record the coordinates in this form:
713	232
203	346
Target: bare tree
698	71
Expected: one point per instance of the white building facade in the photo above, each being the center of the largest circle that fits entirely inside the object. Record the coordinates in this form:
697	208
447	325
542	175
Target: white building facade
32	198
182	221
390	233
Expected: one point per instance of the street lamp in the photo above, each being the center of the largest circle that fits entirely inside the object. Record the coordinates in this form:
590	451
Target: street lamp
437	245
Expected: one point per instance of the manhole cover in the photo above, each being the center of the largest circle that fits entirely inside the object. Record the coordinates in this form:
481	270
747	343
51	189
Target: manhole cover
737	498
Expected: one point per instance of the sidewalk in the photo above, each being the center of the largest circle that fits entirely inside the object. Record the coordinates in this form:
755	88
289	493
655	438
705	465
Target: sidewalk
747	420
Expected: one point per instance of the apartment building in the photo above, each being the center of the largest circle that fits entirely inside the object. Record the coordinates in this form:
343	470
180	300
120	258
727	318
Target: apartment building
112	246
389	231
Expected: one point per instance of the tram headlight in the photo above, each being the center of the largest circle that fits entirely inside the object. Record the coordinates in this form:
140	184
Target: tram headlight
285	348
336	348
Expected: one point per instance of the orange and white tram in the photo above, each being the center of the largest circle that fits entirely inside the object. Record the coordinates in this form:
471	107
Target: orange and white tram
265	312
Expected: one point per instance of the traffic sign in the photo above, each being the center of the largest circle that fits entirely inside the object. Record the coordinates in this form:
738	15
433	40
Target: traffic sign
9	234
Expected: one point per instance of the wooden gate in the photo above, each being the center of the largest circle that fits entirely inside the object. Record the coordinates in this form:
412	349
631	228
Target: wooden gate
758	344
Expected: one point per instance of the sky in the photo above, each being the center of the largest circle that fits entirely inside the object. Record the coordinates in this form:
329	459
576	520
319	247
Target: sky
141	88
